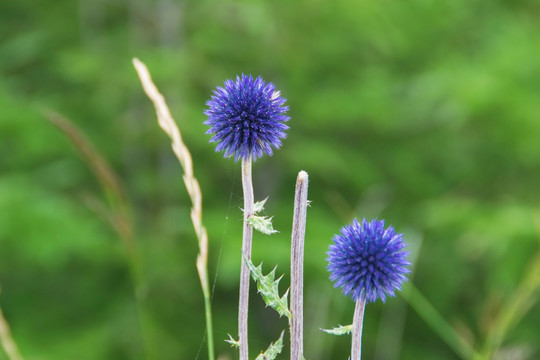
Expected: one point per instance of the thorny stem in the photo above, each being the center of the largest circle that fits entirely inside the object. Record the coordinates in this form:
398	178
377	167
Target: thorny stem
297	266
243	302
358	322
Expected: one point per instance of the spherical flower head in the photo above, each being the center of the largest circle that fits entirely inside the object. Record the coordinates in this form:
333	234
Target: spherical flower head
368	261
247	118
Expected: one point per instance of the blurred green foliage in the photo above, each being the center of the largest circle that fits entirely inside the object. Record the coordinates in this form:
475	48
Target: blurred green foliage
424	113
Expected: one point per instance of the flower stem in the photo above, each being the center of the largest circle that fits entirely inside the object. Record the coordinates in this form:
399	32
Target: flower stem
358	322
243	302
297	266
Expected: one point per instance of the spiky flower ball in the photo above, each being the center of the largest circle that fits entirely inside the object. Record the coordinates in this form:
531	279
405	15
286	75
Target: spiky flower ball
247	118
367	260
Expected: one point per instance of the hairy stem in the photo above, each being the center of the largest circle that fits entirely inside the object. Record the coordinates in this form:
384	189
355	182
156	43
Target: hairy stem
243	302
358	323
297	266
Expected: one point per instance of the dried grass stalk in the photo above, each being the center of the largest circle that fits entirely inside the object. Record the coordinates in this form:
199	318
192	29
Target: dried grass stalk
166	122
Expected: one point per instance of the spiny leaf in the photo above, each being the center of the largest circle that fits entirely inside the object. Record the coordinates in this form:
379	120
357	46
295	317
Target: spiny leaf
273	350
340	330
262	224
232	342
269	288
259	206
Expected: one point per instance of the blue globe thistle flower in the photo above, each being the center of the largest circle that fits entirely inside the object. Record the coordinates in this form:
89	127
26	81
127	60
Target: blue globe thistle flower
367	260
247	118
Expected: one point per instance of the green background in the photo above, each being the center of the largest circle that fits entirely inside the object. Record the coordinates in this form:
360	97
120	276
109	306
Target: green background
422	113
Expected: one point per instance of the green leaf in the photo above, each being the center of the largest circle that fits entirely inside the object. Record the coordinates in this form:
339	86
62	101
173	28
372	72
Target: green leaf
259	206
340	330
273	350
269	288
232	342
262	224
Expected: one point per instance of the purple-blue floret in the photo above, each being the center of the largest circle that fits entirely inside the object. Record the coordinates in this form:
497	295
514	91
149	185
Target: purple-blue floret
247	118
368	261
